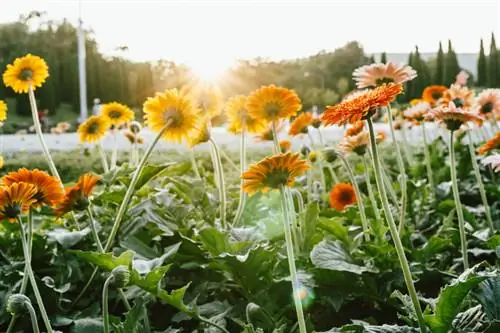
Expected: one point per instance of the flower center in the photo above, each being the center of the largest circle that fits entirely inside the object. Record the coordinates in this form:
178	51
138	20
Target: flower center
272	109
115	114
93	128
345	197
39	196
360	150
12	210
173	116
487	108
276	178
383	80
436	95
453	124
459	102
26	74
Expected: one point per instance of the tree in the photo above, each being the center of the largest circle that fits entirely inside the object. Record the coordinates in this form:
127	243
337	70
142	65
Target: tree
481	67
493	64
409	84
383	58
423	79
372	59
439	73
451	67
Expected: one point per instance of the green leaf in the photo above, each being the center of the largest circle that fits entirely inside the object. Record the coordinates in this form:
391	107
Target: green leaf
489	297
67	238
145	266
493	242
214	241
106	260
434	246
132	318
336	228
310	221
450	299
87	325
149	172
331	255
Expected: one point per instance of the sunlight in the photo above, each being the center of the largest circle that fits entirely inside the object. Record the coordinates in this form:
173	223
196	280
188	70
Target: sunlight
210	70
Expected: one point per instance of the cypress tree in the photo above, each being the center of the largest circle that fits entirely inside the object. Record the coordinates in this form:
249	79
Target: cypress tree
371	60
409	84
481	67
439	76
383	58
451	67
493	64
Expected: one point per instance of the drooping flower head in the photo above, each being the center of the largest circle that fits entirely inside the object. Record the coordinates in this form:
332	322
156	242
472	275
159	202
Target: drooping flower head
316	122
361	106
313	156
16	199
432	94
490	145
285	146
493	161
3	111
355	128
273	172
117	114
25	71
93	129
462	97
76	197
267	134
300	124
381	136
341	196
133	137
172	108
454	117
48	188
355	143
272	103
380	73
488	103
237	113
207	98
417	113
200	135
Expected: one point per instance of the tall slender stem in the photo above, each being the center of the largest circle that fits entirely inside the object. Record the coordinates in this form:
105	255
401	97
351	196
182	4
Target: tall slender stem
39	134
243	167
27	262
359	197
114	153
409	157
105	311
479	181
104	159
458	204
192	156
291	262
276	142
333	173
394	231
221	182
427	155
320	164
369	187
34	320
94	230
228	159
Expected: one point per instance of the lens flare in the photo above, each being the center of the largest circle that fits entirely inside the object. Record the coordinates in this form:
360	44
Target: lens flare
304	295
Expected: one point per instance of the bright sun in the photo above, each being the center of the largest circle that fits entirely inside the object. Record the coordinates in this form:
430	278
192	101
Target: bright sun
210	70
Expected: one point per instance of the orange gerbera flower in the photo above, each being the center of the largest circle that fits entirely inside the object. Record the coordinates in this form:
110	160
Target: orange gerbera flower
355	143
355	129
271	103
77	196
16	199
300	124
381	136
417	113
493	143
285	146
488	103
273	172
462	97
454	117
377	74
48	189
341	196
432	94
268	135
361	106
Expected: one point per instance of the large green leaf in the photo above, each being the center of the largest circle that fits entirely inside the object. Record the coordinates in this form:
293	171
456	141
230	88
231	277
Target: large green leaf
432	247
310	220
336	228
214	241
488	295
67	238
331	255
450	299
87	325
149	172
145	266
106	260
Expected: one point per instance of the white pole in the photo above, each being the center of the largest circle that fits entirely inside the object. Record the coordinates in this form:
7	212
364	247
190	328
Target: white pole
81	66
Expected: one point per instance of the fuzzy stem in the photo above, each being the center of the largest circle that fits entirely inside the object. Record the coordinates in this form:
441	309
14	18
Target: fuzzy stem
458	204
114	153
105	312
333	173
321	139
369	187
359	197
276	142
320	164
34	320
406	151
427	155
221	183
479	181
27	262
39	134
243	167
104	159
228	159
394	231
94	231
291	262
193	163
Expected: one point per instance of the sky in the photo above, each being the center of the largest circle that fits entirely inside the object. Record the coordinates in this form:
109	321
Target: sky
210	35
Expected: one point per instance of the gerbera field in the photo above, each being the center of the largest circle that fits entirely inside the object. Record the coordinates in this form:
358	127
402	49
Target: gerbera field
392	231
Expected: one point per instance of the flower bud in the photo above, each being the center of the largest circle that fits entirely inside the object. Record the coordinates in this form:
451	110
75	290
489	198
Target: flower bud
330	155
135	127
121	276
17	304
305	150
313	156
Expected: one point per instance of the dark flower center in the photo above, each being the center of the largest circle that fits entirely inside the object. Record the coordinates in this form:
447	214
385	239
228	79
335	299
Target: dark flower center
436	95
383	80
453	124
26	74
459	102
93	128
345	197
114	114
272	109
172	115
12	211
39	196
276	178
360	150
487	108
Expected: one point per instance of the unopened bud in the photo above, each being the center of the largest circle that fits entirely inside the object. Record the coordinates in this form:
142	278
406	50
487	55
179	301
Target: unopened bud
17	304
135	127
121	276
305	150
330	155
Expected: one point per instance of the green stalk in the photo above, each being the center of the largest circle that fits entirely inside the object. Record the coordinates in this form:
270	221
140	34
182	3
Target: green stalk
369	187
321	140
39	134
427	156
105	311
359	197
34	320
458	204
394	231
479	181
243	167
221	183
320	164
228	159
193	163
333	173
104	159
114	153
276	142
27	263
388	185
406	151
291	262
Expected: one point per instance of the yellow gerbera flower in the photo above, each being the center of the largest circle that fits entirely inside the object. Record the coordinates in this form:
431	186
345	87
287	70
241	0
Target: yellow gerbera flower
238	116
199	135
273	172
25	71
3	111
301	124
271	103
93	129
117	114
207	98
174	109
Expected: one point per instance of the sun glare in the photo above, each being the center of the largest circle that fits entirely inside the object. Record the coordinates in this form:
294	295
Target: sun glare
209	70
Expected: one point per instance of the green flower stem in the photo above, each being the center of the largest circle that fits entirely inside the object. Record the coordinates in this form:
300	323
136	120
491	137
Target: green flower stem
34	320
309	185
369	187
27	263
388	185
221	183
192	156
320	164
406	145
243	167
427	156
333	173
228	159
276	142
301	222
291	262
359	196
39	134
105	312
479	181
458	204
104	159
394	231
321	139
114	153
